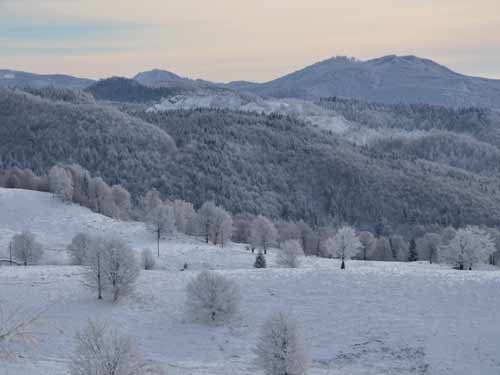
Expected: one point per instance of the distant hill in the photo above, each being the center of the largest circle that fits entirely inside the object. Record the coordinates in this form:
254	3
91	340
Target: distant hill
119	89
389	79
13	78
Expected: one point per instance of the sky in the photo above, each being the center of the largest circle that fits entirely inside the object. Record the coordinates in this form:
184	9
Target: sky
257	40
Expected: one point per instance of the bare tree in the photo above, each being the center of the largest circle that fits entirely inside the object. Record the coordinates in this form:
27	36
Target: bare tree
101	351
206	218
367	240
427	247
112	268
161	220
26	249
211	298
345	244
222	227
151	200
263	233
184	216
469	246
147	259
79	247
16	327
289	254
121	200
61	183
280	347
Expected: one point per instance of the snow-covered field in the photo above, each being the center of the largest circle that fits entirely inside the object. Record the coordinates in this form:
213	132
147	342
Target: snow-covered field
373	318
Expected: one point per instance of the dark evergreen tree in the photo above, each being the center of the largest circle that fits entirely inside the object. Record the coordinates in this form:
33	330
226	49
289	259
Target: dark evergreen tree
413	254
260	261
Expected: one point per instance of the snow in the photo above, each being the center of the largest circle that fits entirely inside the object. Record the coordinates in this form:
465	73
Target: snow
372	318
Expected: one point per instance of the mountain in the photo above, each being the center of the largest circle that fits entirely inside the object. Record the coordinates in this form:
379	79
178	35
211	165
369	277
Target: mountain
389	79
13	78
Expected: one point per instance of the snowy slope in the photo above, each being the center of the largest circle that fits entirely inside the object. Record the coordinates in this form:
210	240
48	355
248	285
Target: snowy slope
311	113
374	318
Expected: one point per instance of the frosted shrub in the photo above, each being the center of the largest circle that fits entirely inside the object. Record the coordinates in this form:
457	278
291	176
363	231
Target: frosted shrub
100	351
211	298
289	254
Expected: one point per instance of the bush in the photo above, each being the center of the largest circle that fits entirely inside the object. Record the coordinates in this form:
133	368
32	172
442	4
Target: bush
289	254
211	298
100	351
280	348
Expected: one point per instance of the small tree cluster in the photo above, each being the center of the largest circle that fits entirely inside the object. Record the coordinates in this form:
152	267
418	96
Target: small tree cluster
26	249
72	183
263	233
211	298
214	223
112	268
469	246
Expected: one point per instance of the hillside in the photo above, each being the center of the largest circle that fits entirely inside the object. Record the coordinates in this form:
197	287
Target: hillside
374	318
38	133
389	79
13	78
247	162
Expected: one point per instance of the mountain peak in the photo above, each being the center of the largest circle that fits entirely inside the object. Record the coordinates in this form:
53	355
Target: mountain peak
157	75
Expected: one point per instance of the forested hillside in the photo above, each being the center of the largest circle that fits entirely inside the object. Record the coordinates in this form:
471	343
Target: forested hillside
272	165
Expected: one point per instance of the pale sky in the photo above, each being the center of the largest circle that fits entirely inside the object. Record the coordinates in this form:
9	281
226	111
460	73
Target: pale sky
224	40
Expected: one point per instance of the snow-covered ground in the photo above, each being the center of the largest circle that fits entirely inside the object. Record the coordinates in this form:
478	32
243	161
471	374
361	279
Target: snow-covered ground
373	318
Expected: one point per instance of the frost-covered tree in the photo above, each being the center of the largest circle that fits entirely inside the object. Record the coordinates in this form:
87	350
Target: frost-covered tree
280	347
289	254
161	221
206	217
367	240
112	268
260	260
399	248
241	227
427	247
101	351
101	197
26	249
16	328
211	298
147	259
345	244
184	216
80	245
151	200
122	204
222	227
61	183
263	233
469	246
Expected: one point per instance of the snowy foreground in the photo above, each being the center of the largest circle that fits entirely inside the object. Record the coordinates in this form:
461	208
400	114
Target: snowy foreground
373	318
